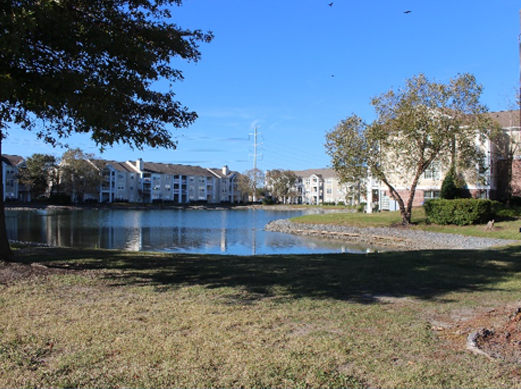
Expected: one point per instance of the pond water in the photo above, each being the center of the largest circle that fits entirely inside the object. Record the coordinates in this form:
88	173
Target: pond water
235	232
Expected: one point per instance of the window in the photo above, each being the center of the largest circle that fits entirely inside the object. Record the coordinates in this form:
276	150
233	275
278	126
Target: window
431	194
433	172
329	191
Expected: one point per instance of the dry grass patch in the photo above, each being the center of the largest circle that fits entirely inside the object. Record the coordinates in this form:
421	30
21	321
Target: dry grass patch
112	319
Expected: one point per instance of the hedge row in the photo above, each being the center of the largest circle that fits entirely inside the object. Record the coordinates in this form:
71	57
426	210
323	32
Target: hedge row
459	211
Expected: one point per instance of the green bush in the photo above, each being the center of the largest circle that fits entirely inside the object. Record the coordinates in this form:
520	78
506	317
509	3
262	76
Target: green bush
459	211
449	189
361	208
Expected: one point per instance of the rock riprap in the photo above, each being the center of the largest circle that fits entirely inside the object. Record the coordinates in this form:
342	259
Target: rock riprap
389	236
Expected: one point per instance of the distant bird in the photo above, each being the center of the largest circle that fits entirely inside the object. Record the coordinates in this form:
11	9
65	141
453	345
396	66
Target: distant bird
330	4
407	12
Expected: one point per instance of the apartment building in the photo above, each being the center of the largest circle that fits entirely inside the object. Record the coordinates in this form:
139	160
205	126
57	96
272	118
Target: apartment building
492	184
318	186
12	189
148	182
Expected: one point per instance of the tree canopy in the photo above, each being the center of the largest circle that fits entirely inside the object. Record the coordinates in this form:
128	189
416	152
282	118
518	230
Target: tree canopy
251	182
38	171
281	183
415	125
84	66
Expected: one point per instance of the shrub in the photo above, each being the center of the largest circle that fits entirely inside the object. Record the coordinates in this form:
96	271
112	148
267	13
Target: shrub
449	189
361	208
459	211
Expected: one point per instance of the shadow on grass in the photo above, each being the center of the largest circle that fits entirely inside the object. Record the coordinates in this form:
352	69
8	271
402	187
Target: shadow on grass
361	278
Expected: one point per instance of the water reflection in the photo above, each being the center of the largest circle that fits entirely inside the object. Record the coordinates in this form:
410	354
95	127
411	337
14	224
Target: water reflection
238	232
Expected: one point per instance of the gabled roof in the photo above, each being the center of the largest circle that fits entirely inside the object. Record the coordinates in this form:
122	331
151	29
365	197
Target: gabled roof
219	173
166	168
12	160
119	166
323	173
506	118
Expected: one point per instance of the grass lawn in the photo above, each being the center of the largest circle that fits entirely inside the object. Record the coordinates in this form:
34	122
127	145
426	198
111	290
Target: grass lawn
507	223
102	318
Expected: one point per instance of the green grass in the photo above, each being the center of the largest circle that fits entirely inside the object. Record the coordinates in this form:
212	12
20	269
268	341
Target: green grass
507	224
122	319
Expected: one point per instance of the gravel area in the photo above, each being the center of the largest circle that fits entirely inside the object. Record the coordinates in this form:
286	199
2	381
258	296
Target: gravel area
396	237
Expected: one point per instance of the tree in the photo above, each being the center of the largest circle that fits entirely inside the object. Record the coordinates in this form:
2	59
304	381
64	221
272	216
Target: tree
37	173
415	125
81	66
80	174
505	135
281	183
449	189
250	182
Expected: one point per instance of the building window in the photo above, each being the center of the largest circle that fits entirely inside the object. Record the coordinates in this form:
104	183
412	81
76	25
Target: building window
433	172
431	194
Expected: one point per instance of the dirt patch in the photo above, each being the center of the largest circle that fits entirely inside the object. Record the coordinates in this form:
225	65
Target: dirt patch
494	332
504	341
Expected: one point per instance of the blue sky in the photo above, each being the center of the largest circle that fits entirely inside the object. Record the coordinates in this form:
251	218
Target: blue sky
294	68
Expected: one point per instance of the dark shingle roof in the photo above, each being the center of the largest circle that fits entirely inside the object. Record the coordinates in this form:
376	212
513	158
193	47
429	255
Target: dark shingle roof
324	173
506	118
12	160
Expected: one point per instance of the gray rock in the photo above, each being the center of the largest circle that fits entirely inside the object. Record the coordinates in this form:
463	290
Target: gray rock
396	237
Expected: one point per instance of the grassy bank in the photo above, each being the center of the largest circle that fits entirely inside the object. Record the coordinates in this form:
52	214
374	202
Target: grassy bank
507	223
96	318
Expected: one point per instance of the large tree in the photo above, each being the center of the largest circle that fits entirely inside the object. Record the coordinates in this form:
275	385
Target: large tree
85	66
80	174
38	173
281	183
250	183
423	122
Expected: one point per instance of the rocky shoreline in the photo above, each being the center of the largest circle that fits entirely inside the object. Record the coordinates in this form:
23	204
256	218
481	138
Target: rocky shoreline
401	238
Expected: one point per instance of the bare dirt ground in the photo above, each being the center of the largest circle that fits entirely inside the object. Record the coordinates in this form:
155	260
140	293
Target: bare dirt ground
492	332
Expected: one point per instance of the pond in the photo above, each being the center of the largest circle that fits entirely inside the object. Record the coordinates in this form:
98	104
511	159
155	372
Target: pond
220	231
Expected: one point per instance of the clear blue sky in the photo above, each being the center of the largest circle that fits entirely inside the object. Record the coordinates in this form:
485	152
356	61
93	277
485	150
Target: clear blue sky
295	68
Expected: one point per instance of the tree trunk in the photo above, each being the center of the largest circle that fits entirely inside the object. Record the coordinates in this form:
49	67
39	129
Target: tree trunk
5	251
406	214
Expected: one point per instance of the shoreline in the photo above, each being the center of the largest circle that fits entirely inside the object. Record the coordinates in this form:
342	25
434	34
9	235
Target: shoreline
400	238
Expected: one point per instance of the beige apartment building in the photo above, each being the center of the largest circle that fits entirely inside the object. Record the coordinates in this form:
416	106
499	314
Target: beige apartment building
319	186
148	182
492	184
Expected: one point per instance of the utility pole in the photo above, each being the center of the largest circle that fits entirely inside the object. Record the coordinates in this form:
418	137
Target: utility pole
255	144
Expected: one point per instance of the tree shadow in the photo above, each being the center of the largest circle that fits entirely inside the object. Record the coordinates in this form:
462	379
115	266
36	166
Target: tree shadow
428	274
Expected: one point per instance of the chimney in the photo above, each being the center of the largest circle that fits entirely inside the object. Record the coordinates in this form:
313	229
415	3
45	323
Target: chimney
140	164
225	170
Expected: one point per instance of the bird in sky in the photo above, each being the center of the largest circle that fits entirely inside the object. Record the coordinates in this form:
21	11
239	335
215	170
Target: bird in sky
407	12
330	4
